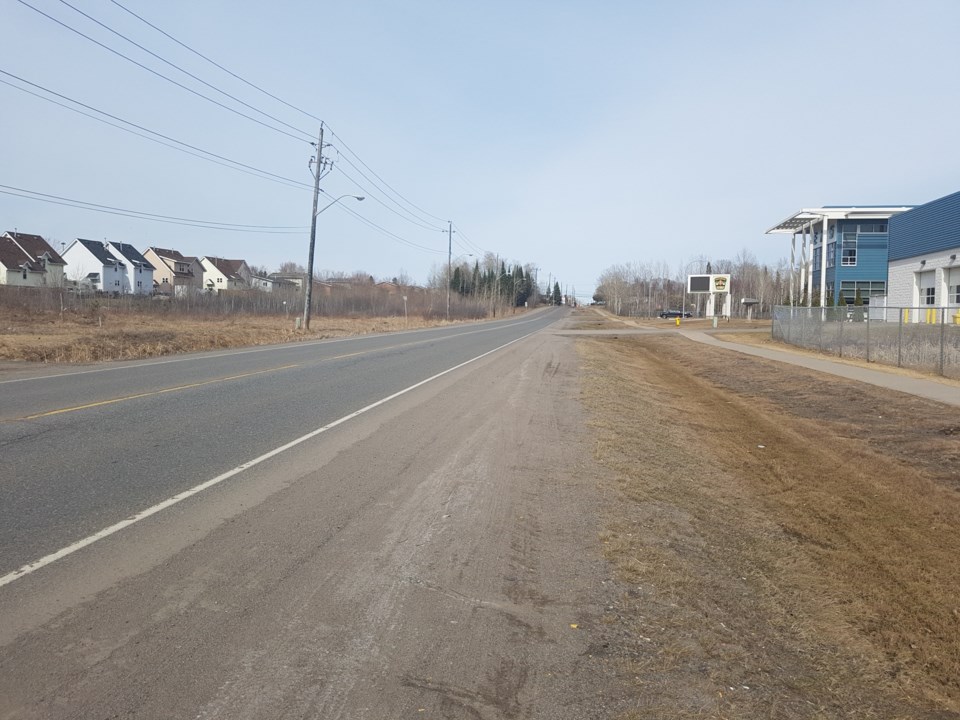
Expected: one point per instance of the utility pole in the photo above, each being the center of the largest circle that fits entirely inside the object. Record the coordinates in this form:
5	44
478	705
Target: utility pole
317	163
449	254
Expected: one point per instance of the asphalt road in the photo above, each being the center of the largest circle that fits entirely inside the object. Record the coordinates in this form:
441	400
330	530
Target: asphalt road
429	557
86	448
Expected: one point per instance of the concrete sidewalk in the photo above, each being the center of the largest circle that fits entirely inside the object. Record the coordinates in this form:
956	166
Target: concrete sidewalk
930	389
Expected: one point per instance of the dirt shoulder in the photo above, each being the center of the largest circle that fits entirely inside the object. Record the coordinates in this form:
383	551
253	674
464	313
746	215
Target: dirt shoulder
789	542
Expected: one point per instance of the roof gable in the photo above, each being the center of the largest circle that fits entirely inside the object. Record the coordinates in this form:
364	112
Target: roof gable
12	255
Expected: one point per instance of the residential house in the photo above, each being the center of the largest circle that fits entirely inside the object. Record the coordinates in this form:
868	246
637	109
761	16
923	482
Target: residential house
46	267
16	267
264	283
174	273
295	279
94	267
220	274
139	269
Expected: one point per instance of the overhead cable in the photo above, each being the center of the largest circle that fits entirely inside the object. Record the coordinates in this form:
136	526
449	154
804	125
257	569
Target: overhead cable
346	147
234	164
214	63
161	75
185	72
170	219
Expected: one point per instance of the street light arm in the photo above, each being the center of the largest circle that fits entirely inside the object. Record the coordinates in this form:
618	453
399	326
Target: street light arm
334	202
308	290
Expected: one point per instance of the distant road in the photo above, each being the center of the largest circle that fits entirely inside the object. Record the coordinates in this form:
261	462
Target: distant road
86	447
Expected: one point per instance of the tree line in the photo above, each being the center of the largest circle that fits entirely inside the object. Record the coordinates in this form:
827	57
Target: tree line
645	289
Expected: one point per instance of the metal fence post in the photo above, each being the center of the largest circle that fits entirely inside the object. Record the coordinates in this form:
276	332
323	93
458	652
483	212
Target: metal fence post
943	326
900	339
841	317
868	333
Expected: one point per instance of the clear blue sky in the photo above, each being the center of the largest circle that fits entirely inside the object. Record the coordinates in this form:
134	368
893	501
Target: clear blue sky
571	135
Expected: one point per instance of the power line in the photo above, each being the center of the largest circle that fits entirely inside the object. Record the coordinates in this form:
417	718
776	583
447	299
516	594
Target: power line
387	233
214	63
379	201
469	241
185	72
161	75
235	164
140	215
398	194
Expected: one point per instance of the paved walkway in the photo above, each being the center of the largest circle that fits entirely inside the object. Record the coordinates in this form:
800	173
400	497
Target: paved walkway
930	389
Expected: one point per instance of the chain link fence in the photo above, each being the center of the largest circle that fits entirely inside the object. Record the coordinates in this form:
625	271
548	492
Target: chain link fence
920	338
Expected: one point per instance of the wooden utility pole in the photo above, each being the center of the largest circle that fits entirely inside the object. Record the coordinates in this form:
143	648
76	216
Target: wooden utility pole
449	253
317	162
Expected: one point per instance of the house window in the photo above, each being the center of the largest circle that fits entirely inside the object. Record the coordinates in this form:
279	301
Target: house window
955	294
929	295
219	280
164	281
139	284
117	283
849	249
24	273
831	254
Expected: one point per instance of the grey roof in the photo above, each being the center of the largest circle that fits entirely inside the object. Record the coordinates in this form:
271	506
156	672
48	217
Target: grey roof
99	251
129	252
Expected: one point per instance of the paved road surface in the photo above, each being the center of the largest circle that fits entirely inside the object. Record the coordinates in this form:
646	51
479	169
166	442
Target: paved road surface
432	557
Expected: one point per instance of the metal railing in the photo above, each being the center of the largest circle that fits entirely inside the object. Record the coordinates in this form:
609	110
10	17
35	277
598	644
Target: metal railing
920	338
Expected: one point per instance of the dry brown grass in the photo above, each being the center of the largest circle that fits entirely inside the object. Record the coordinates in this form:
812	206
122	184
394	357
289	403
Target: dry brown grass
71	338
815	576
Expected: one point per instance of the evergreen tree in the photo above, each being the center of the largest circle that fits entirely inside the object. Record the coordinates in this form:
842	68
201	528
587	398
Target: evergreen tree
557	297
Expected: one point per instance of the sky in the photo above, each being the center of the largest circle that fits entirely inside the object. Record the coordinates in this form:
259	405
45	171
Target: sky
568	135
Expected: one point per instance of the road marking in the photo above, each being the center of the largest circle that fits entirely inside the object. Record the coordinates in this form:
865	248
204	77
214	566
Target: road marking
179	497
494	325
101	403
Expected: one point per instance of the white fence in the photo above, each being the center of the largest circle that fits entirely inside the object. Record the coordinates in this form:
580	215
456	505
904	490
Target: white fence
920	338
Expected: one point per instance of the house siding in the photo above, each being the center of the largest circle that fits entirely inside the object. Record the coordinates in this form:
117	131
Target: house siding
930	228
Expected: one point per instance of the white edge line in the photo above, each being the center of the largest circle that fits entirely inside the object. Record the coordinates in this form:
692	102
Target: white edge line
143	514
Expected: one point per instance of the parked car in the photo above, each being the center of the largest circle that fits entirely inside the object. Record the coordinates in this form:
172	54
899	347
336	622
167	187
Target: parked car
675	314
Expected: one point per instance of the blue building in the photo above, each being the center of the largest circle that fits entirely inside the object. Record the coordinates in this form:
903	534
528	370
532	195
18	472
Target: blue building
924	246
843	249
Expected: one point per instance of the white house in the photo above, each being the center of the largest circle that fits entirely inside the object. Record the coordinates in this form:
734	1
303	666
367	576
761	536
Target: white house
139	270
93	266
220	274
264	284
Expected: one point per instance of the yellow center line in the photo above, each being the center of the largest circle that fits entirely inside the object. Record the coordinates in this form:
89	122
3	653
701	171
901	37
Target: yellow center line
199	384
155	392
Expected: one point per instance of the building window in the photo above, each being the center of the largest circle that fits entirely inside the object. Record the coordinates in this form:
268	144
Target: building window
929	295
831	254
164	281
117	283
219	280
849	249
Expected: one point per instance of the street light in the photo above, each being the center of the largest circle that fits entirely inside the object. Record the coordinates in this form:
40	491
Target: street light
308	294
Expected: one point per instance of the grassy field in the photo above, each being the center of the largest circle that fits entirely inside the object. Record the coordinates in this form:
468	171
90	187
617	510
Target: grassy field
110	335
788	541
